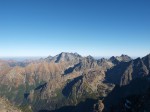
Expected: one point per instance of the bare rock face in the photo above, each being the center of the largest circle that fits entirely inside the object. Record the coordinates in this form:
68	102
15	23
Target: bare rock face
124	58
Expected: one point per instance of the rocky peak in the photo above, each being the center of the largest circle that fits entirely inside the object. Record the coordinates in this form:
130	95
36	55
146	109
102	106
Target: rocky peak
65	56
125	58
114	60
102	60
126	71
146	61
90	58
49	58
76	54
122	58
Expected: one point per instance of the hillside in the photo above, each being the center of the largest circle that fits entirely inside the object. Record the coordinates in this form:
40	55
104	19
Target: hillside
5	106
67	80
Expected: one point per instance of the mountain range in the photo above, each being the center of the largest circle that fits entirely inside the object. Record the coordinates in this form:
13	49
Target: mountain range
69	82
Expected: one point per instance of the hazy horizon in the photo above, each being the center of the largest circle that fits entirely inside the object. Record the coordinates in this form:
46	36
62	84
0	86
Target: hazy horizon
38	57
97	28
96	56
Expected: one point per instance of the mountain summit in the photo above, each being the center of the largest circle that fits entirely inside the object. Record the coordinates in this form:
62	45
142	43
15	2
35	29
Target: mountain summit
65	57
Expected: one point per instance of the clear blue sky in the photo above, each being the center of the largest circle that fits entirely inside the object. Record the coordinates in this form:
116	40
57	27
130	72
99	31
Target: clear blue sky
95	27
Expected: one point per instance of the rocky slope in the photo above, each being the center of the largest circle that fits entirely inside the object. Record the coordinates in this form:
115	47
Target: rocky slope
124	72
5	106
132	97
67	79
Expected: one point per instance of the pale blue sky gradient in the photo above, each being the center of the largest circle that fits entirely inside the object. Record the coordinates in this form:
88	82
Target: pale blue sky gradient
95	27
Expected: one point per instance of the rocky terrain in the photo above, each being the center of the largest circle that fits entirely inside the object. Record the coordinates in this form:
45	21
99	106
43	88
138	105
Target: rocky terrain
69	82
129	98
5	106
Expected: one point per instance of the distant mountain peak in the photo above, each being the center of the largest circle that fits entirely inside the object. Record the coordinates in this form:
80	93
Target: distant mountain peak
65	57
148	55
69	53
122	58
77	54
146	61
49	58
90	57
